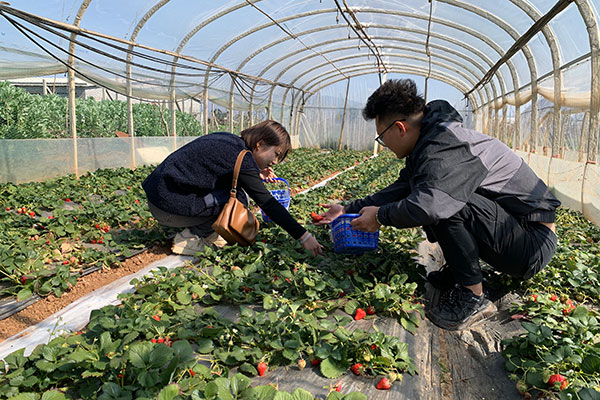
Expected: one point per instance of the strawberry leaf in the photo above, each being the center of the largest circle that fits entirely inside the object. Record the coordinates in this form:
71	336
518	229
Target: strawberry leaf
169	392
330	369
351	307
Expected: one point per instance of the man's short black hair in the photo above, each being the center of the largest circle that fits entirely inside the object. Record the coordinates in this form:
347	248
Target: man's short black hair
396	96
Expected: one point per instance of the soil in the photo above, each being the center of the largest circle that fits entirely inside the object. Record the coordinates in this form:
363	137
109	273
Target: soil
44	308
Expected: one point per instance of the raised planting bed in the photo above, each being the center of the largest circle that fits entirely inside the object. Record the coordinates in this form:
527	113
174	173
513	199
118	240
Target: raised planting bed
56	231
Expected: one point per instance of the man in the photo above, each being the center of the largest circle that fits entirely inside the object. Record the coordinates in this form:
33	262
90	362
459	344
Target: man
469	191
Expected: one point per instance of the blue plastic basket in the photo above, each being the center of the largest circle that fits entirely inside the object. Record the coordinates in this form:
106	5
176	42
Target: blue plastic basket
281	195
347	240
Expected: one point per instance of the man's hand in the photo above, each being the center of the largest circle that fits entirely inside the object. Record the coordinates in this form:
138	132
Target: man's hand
335	210
367	221
267	174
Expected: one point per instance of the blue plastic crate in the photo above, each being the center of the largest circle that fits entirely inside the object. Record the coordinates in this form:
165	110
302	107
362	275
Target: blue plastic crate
347	240
281	195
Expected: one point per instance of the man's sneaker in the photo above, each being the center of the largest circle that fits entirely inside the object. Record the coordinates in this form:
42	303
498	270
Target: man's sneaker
188	244
442	279
461	309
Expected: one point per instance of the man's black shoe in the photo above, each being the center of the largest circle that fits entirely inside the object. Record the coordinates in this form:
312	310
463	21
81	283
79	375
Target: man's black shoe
461	309
442	279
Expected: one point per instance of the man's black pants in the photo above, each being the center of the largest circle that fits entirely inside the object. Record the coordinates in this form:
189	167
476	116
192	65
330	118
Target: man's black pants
483	229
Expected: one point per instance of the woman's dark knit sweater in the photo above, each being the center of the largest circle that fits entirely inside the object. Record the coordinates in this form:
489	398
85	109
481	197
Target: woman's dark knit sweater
183	183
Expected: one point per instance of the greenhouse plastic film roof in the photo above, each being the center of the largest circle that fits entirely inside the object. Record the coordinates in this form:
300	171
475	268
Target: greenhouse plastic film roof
304	45
277	55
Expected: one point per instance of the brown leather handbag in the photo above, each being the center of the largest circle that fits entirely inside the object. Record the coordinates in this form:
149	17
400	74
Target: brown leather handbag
236	223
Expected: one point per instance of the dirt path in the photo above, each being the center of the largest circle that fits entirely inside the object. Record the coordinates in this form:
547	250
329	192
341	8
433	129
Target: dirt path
44	308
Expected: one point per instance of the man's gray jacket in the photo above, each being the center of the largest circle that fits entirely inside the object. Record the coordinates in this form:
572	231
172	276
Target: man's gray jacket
448	164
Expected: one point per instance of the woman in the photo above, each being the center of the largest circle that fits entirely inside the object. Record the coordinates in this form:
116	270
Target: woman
191	186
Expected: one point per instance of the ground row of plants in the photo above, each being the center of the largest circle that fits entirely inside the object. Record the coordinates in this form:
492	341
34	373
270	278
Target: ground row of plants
50	231
30	116
559	352
168	340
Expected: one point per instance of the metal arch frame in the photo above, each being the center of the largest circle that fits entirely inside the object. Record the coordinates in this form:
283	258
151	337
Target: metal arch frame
403	69
594	38
526	52
417	72
392	39
180	47
394	68
389	46
412	41
444	65
584	11
467	30
362	66
295	63
548	33
132	37
392	55
474	50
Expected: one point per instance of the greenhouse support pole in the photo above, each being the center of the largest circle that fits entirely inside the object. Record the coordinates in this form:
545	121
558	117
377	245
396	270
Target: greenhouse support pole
72	114
344	115
130	112
71	83
205	114
583	138
44	87
231	114
375	143
173	116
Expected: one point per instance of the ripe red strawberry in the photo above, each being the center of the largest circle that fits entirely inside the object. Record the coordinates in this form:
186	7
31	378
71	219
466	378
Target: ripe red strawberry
553	297
152	340
370	310
360	314
7	208
23	279
67	200
301	364
315	361
156	317
31	214
384	384
338	387
192	373
533	298
356	368
261	368
315	217
558	379
160	340
97	226
65	262
137	201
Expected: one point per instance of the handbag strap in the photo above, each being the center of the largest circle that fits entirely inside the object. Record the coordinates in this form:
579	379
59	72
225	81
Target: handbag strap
236	171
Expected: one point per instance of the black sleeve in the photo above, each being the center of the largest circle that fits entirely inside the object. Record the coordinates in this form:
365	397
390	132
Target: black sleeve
394	192
250	181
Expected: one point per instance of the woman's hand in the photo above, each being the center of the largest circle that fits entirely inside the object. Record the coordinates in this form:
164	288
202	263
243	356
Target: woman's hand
267	174
335	210
311	244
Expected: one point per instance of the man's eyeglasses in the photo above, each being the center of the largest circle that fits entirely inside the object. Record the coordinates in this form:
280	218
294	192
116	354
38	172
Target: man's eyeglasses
379	138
